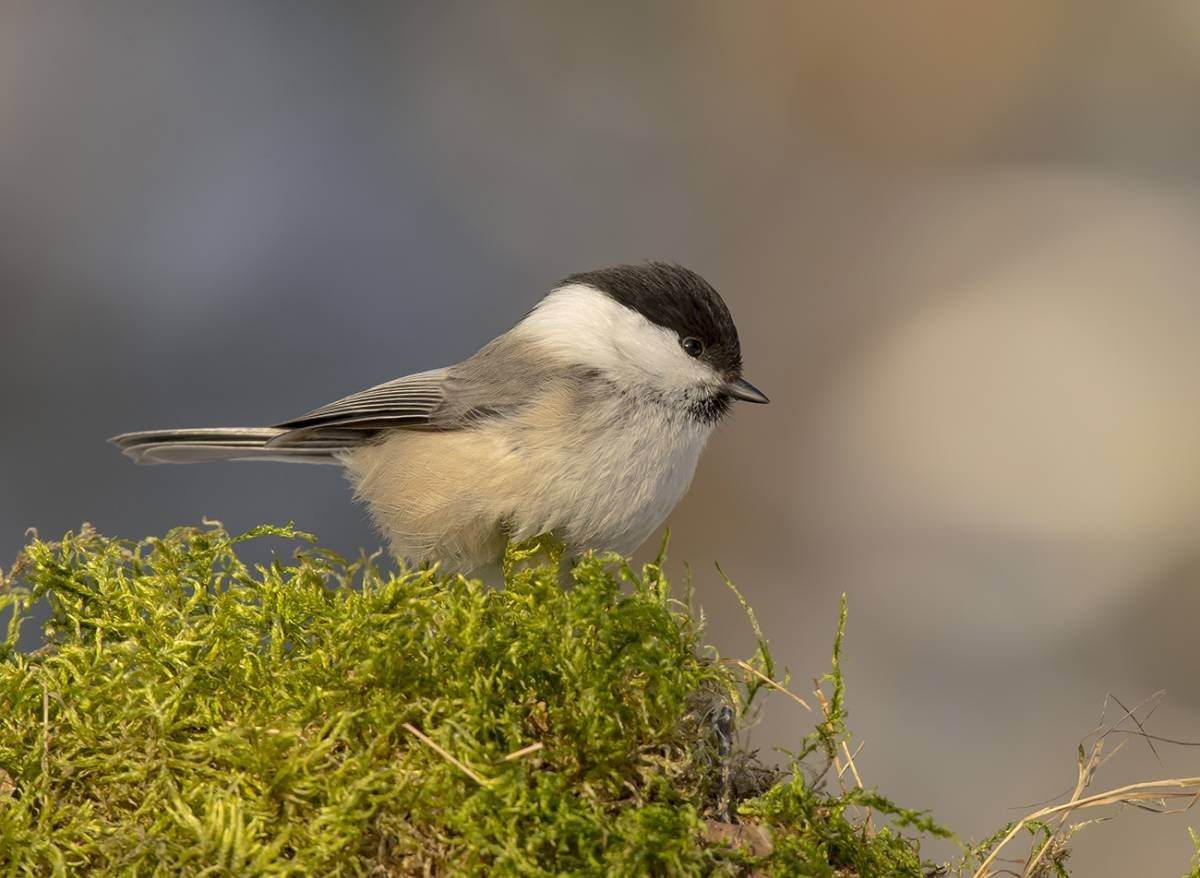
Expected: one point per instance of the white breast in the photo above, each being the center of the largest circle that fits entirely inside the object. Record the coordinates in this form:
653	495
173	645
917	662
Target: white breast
613	479
606	482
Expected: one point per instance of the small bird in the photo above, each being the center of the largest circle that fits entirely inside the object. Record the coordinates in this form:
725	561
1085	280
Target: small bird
585	420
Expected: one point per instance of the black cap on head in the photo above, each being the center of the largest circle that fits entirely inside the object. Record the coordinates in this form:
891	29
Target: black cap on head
677	299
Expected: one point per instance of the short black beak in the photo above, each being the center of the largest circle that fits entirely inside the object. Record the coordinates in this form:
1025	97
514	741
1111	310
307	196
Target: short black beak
745	391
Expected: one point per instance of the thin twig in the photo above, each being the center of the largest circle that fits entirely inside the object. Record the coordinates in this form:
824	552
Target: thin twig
45	733
524	751
756	672
867	826
1156	789
1141	728
465	769
850	760
1033	861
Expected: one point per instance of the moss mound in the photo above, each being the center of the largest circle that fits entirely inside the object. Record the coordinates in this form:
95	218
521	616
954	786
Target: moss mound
192	715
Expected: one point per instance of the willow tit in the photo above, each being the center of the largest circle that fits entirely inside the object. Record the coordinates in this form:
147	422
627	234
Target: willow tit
585	420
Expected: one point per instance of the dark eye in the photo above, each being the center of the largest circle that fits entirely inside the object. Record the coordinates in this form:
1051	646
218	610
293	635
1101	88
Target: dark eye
693	347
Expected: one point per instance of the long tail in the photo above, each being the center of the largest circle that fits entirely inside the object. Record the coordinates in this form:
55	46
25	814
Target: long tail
232	443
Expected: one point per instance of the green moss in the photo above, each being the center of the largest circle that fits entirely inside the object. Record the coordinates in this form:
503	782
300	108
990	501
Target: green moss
190	715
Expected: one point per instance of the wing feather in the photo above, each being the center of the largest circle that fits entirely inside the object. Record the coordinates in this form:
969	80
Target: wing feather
410	401
501	378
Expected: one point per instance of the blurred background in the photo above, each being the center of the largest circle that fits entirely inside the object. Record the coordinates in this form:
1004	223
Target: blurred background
960	242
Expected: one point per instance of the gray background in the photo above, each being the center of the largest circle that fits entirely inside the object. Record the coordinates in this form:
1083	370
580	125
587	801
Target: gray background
960	242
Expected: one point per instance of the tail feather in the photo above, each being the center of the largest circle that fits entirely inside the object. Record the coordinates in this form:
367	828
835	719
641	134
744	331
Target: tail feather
231	443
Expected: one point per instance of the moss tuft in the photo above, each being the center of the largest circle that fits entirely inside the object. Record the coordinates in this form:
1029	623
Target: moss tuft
193	715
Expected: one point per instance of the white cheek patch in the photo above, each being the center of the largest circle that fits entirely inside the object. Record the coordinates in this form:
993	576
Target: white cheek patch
586	327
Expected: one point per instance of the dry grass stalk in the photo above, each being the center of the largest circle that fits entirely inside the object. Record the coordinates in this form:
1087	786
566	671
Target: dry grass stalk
773	684
524	751
1147	795
433	745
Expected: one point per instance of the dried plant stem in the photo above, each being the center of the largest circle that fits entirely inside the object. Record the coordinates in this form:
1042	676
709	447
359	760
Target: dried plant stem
774	685
433	745
1171	788
524	751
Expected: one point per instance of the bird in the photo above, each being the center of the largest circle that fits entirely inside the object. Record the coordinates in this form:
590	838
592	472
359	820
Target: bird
585	421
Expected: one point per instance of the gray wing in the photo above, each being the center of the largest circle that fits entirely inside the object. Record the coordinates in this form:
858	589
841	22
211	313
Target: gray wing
497	380
411	401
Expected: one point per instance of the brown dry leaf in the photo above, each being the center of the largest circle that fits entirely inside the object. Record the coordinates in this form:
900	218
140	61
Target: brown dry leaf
750	836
